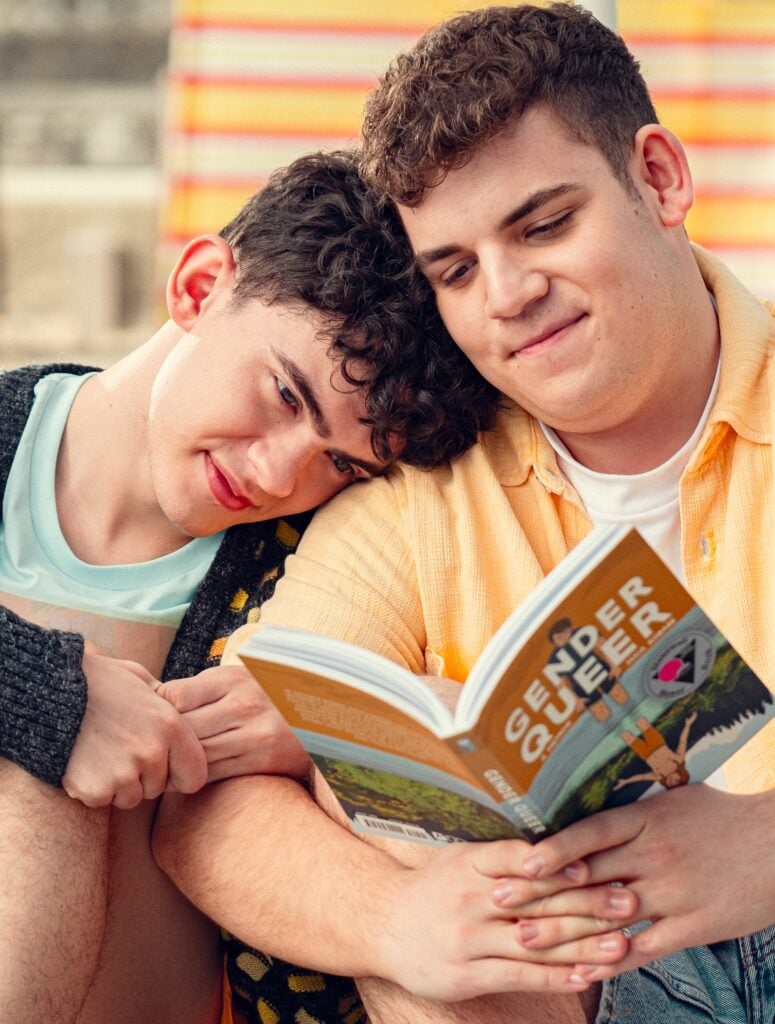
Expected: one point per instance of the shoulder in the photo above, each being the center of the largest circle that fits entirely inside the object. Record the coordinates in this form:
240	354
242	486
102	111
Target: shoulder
407	499
17	393
17	389
19	383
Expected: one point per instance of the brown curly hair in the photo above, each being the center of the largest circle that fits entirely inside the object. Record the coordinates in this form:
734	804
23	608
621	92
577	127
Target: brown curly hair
316	236
469	78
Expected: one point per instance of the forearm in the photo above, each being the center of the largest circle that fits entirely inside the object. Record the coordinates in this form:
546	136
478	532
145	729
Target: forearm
259	857
42	696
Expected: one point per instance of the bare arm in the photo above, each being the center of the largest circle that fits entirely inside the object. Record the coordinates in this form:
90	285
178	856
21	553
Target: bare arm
259	856
263	860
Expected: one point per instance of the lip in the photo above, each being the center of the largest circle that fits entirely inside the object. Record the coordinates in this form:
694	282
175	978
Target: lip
222	489
549	336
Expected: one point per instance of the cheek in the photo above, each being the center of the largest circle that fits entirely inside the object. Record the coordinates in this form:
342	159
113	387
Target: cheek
463	319
317	483
493	368
327	488
470	334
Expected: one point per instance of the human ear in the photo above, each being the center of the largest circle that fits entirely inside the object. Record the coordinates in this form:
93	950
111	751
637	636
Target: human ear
204	268
660	164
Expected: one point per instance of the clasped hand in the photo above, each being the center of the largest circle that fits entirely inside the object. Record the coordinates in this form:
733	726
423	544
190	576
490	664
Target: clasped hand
454	927
699	861
140	737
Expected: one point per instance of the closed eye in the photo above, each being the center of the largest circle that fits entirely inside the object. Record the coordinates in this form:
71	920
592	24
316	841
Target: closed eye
552	227
342	465
456	275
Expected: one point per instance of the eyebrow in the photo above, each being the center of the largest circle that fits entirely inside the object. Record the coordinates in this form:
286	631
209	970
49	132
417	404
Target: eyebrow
426	257
304	386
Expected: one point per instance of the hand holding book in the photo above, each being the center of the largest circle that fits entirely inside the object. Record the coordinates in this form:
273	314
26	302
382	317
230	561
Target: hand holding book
673	851
578	703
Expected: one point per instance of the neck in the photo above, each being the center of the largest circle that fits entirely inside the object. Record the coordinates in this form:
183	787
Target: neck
105	496
648	441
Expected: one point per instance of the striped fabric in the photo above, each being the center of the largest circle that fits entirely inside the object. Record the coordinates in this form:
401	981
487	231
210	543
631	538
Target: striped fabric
711	68
254	84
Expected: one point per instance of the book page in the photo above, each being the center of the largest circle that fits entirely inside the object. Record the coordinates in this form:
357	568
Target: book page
392	777
316	704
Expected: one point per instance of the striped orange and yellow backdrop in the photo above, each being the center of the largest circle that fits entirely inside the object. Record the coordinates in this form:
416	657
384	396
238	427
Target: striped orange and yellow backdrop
254	83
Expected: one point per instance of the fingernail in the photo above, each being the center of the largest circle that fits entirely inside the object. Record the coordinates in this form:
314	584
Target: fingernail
608	945
534	864
575	872
619	901
502	891
576	979
527	932
586	970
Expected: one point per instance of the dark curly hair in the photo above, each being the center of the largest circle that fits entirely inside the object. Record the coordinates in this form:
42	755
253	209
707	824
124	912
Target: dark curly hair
469	78
316	236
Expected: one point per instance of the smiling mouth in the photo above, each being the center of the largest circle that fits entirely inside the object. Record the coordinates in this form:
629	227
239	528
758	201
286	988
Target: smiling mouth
221	489
549	337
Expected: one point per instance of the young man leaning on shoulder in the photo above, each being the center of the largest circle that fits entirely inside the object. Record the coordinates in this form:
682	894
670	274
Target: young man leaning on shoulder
545	205
147	510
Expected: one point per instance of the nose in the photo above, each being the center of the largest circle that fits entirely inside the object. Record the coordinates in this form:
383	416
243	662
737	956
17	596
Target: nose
510	287
276	464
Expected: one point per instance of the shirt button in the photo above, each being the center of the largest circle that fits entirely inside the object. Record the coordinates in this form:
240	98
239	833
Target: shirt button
707	545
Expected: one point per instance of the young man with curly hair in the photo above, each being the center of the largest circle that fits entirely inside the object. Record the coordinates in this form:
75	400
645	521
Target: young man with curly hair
545	205
147	510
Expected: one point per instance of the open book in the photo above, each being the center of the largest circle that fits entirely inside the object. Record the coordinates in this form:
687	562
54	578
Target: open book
608	683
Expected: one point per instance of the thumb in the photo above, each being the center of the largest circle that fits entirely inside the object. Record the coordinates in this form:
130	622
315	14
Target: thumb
191	692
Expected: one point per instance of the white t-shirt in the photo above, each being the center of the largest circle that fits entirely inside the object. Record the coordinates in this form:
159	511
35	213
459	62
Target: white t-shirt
649	501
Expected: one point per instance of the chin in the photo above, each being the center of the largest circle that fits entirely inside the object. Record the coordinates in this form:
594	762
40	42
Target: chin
190	527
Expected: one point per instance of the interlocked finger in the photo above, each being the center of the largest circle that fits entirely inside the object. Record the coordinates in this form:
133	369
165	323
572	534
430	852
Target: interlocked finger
599	901
553	932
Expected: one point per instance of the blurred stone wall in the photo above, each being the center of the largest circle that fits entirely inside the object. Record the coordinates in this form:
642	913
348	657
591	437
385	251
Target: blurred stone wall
81	109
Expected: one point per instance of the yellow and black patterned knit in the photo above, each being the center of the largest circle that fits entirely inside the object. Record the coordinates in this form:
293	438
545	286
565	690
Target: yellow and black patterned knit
271	991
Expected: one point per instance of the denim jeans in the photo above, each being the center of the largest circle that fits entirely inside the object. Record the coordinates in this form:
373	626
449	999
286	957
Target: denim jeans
726	983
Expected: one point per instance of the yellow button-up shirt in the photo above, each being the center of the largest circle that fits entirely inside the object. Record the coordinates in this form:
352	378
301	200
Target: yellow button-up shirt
424	566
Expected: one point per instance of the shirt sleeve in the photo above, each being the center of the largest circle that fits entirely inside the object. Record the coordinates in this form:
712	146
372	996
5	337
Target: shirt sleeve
42	696
354	578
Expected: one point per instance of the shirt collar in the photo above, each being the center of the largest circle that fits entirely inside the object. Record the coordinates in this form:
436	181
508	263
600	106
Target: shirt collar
747	331
517	446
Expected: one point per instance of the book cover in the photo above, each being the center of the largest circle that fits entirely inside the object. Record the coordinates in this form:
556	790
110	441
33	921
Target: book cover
609	683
